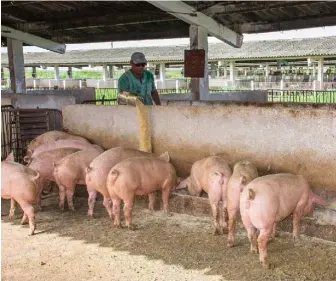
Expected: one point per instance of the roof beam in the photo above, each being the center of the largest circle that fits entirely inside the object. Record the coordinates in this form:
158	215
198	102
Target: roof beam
306	22
93	22
190	15
32	40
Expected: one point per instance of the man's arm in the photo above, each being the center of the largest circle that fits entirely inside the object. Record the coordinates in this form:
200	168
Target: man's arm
155	94
155	97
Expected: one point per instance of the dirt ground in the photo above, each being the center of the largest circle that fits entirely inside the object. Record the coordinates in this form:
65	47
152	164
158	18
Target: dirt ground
70	246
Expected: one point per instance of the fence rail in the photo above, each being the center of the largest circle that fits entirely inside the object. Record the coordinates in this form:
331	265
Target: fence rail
109	96
302	96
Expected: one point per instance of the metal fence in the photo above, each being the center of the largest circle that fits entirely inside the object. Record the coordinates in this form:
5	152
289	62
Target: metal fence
20	126
302	96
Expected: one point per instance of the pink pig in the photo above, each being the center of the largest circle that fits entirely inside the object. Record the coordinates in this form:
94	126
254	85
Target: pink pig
210	174
97	171
70	171
139	176
270	199
243	173
20	184
60	144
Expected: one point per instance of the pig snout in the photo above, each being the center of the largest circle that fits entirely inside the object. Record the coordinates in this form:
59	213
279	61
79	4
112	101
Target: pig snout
318	200
182	183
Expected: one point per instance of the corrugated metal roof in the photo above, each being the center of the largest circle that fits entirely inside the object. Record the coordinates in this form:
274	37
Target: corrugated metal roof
253	50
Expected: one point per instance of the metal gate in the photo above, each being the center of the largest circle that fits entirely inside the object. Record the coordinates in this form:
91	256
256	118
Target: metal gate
20	126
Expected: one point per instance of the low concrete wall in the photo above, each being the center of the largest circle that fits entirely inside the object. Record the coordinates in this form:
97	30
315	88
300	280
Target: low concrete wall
79	94
250	96
291	138
38	100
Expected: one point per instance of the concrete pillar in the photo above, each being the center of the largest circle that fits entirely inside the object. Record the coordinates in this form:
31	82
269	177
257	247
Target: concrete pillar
16	66
267	70
163	75
105	72
111	70
199	40
70	72
34	72
219	65
2	73
314	72
232	72
320	72
225	70
57	73
213	70
245	72
278	65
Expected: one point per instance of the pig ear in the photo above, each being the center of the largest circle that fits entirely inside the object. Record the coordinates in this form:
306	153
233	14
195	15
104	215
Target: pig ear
165	157
10	156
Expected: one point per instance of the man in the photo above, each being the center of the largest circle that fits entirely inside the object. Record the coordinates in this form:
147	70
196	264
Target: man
139	81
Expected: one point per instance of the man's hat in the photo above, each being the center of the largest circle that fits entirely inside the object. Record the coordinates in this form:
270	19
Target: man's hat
138	57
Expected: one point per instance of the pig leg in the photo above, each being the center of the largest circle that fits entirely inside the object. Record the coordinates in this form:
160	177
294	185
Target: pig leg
12	209
214	198
273	232
108	205
232	226
297	215
91	201
69	195
24	219
224	223
251	230
262	244
28	210
152	200
128	207
166	189
61	196
116	211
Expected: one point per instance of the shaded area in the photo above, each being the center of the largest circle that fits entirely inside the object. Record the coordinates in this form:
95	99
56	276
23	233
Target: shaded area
186	240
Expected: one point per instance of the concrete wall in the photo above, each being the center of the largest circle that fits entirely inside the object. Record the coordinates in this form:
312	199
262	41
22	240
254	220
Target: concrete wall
38	100
79	94
250	96
291	138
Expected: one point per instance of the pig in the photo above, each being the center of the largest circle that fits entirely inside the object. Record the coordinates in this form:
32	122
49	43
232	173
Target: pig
60	144
20	184
44	164
270	199
51	136
70	171
243	173
96	174
139	176
212	175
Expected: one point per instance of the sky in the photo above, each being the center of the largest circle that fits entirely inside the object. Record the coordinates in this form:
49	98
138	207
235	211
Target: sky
301	33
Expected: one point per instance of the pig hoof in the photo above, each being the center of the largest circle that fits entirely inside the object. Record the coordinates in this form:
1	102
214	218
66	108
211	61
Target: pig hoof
11	217
230	244
132	227
31	232
72	209
266	265
216	231
253	250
